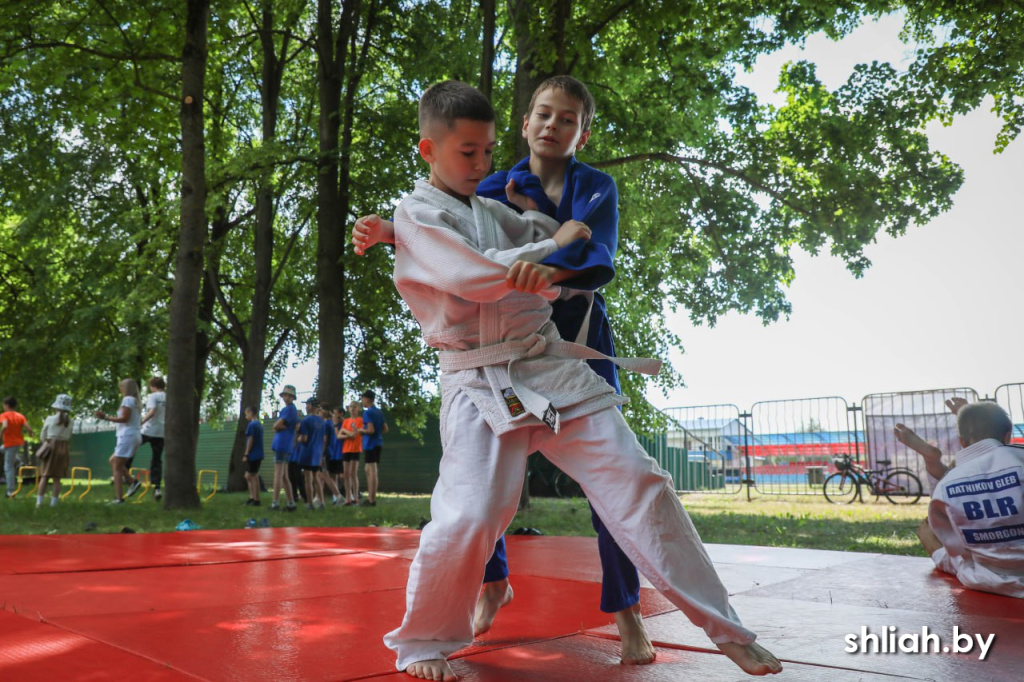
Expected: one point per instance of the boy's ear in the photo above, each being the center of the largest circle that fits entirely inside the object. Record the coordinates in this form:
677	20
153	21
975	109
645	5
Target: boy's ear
583	140
427	149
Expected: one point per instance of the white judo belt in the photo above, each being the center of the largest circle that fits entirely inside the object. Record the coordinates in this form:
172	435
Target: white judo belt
510	352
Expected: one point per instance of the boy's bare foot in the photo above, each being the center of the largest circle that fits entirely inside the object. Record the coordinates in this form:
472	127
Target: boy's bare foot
636	645
492	597
753	658
433	669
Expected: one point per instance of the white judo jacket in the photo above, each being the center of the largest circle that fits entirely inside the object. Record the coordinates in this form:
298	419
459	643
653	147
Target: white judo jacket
498	345
977	512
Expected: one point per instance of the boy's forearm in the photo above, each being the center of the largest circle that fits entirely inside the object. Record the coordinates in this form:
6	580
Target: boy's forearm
934	466
433	254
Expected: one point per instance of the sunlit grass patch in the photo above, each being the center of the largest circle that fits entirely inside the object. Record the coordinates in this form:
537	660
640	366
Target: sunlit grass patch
795	521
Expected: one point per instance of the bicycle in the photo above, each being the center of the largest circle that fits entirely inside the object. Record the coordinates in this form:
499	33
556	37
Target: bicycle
900	486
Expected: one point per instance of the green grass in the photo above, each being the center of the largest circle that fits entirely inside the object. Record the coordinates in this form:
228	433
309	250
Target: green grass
795	521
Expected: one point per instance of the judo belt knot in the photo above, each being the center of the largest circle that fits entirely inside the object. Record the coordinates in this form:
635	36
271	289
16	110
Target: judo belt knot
538	344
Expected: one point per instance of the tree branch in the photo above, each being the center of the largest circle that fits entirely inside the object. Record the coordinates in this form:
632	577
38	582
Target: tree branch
237	331
277	346
704	163
599	26
287	251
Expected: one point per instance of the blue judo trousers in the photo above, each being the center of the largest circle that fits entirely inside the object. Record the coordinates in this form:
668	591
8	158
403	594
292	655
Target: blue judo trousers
590	197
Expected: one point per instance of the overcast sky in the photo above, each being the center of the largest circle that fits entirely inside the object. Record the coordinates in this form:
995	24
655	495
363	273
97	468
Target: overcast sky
937	309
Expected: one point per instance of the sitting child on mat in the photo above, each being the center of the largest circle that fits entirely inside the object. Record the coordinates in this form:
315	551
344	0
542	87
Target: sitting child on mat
975	524
469	270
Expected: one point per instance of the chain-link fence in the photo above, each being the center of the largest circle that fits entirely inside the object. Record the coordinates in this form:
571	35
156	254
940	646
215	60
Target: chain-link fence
788	447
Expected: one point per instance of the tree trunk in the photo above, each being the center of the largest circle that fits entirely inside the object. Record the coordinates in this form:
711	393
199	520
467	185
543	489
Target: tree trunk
527	77
254	352
487	9
330	220
181	423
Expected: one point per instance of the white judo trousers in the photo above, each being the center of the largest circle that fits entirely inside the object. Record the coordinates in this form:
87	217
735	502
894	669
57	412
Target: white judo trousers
475	499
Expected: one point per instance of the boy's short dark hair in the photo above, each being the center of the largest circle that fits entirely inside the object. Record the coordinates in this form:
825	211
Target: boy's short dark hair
157	382
252	410
327	407
575	89
448	101
11	402
979	421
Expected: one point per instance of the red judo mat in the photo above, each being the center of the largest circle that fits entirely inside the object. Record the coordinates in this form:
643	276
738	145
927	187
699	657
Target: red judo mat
312	604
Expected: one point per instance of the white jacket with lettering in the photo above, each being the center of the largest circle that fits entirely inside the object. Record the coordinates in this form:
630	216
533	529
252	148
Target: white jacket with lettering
977	512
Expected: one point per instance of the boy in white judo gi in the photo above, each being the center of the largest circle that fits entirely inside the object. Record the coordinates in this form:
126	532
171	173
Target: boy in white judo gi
975	524
557	125
468	269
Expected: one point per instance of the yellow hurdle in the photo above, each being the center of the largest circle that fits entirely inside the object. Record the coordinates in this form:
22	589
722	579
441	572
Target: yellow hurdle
21	477
135	472
88	473
199	483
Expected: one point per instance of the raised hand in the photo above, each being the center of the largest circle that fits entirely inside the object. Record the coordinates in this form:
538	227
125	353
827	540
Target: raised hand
954	404
369	230
523	202
570	231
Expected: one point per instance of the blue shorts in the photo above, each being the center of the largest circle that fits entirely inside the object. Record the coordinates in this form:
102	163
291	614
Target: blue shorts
281	457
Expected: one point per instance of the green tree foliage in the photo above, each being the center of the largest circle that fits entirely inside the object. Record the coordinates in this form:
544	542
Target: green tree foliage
717	188
88	200
969	52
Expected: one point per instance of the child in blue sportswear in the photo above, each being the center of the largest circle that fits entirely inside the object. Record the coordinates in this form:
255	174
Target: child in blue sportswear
309	447
332	464
556	126
253	456
284	434
374	428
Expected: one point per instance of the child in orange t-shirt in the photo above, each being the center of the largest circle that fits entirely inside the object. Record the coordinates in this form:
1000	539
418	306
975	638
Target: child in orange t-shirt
351	446
12	426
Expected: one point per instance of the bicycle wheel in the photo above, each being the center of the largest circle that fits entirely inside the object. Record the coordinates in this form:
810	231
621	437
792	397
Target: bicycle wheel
566	487
840	488
902	486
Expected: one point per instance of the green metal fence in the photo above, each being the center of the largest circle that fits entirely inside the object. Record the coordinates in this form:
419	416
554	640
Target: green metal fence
407	465
687	474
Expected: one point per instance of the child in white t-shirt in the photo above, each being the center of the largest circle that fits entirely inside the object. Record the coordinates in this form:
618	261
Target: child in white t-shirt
56	431
129	434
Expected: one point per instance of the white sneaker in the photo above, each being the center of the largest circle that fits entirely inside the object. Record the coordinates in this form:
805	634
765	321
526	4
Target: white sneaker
133	488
